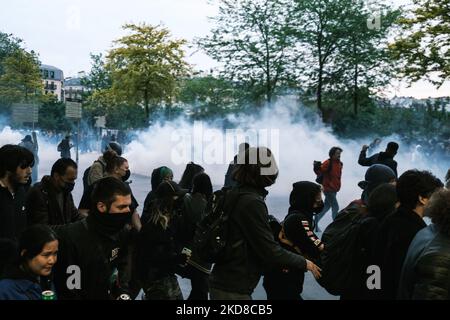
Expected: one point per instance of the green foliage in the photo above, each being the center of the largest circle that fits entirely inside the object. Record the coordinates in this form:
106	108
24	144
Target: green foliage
21	80
423	47
254	42
52	115
146	65
209	97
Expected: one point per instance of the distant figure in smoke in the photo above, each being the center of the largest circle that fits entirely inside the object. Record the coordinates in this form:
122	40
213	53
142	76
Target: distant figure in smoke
331	171
386	157
229	181
447	179
32	145
64	147
374	145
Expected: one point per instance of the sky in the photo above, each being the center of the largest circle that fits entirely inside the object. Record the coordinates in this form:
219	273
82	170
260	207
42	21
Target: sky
65	32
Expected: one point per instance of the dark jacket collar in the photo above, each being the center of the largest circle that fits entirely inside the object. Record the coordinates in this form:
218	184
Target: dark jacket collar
410	214
248	188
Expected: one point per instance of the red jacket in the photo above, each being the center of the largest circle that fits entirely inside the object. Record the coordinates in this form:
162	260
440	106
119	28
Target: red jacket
332	179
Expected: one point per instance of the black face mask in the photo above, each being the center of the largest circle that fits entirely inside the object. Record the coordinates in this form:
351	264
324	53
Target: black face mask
319	208
68	187
126	176
113	221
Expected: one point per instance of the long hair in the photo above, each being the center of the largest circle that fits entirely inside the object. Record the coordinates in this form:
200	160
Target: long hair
161	211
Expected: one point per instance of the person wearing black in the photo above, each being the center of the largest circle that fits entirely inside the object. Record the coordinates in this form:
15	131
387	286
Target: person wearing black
98	247
381	202
30	273
229	180
189	173
386	157
414	189
426	271
158	175
447	179
296	235
157	252
50	201
195	207
64	147
118	168
15	172
31	144
251	247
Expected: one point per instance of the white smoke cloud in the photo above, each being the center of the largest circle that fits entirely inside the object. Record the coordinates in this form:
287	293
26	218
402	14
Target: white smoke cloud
302	139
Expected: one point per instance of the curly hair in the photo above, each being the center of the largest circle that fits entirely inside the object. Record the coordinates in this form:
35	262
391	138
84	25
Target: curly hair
415	183
438	208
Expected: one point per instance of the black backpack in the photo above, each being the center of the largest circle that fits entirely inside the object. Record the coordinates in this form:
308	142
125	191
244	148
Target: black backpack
210	238
340	259
317	165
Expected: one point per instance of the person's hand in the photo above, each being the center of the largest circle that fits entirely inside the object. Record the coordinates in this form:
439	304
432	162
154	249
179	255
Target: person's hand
321	247
365	147
313	268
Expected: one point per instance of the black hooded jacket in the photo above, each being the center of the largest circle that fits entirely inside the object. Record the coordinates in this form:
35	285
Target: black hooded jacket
285	282
252	246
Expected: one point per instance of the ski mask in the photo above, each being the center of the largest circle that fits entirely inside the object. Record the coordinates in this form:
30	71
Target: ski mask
303	197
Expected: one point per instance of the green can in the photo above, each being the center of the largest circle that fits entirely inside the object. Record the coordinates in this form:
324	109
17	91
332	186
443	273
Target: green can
48	295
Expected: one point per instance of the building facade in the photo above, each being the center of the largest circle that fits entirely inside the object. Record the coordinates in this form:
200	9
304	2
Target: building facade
53	79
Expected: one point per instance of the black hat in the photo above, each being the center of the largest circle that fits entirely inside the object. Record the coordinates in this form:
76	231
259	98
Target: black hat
376	174
170	188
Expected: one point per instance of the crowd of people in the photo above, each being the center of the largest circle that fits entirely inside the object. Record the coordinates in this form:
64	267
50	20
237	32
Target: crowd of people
103	248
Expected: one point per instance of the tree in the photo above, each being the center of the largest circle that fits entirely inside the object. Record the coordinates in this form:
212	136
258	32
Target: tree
322	27
146	66
252	40
100	77
8	45
363	62
424	48
21	80
209	96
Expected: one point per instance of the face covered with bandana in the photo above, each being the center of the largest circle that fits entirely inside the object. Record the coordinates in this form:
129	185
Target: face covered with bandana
116	216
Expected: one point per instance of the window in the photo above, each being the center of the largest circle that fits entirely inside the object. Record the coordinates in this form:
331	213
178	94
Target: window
46	74
52	74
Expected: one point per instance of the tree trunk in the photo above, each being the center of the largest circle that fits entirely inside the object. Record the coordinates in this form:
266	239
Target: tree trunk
355	91
146	103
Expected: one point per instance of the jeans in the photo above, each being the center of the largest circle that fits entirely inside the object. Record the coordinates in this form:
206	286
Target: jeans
330	202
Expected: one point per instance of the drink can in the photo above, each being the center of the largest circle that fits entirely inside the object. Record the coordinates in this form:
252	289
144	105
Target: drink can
48	295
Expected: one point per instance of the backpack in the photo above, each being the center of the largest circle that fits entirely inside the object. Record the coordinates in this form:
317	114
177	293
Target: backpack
340	260
210	237
86	175
317	165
